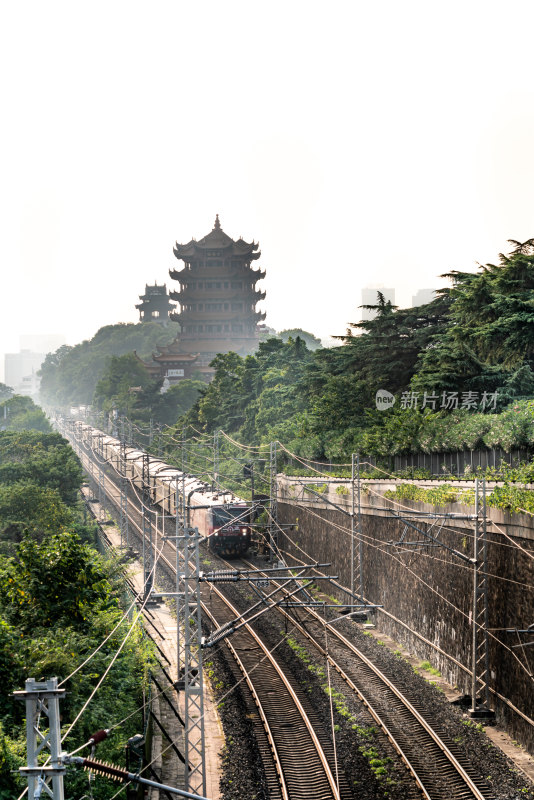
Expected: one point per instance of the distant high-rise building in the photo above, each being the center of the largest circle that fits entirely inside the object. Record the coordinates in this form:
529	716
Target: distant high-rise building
155	305
20	369
370	298
423	296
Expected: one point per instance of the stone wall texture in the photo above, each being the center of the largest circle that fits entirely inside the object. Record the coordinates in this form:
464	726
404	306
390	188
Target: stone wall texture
426	591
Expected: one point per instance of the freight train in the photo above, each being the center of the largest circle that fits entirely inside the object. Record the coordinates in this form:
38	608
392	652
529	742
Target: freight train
221	517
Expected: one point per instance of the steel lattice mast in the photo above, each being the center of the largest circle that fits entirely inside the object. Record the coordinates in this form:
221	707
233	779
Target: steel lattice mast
42	705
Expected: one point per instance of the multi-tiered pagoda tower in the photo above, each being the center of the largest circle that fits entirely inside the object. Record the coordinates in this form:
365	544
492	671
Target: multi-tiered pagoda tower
155	305
217	296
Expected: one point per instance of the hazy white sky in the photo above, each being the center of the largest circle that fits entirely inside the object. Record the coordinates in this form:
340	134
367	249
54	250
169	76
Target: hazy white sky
359	142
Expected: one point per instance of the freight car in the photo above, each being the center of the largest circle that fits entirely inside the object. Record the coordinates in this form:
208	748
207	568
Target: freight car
221	517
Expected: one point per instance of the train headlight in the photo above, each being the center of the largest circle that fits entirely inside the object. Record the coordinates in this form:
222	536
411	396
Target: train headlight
216	533
244	531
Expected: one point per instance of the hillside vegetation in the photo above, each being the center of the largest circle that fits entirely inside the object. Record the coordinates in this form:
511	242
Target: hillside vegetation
59	600
459	372
70	375
473	346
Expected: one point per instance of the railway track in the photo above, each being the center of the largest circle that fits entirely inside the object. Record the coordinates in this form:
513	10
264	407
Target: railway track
436	763
432	765
302	751
298	756
298	762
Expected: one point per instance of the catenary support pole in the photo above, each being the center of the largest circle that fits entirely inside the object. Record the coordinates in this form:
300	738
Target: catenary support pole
42	706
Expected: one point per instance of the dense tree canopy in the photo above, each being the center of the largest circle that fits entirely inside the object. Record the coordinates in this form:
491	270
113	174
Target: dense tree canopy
488	343
59	601
70	375
311	341
127	388
475	338
45	459
19	413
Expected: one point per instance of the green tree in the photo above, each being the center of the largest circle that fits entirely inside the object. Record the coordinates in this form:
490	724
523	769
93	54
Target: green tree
5	392
70	375
26	507
386	352
168	407
311	341
44	459
489	341
56	579
125	384
20	413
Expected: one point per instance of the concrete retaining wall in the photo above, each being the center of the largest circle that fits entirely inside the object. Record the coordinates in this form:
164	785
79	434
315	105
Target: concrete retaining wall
429	589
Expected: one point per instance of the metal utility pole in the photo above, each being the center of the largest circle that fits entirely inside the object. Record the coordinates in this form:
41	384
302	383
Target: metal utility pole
480	655
189	642
42	704
191	679
97	454
216	458
356	559
123	482
273	520
148	559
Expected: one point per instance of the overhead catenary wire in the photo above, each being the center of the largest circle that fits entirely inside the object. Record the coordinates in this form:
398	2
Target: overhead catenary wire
390	500
220	699
388	552
400	505
393	502
117	653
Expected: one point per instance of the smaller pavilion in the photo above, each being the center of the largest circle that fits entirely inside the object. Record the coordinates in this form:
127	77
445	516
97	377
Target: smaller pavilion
156	305
171	363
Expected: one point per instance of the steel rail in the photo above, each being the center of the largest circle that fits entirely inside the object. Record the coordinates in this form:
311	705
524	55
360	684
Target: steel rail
379	674
263	716
291	692
320	752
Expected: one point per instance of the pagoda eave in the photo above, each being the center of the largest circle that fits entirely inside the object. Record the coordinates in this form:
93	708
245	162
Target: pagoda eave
175	359
175	273
195	250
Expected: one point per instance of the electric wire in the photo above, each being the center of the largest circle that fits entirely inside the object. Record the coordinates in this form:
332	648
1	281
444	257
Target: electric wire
117	653
417	577
513	544
220	700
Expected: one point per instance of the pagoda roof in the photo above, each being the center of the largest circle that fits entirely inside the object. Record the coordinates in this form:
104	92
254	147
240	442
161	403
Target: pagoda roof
155	305
172	349
149	365
217	239
172	357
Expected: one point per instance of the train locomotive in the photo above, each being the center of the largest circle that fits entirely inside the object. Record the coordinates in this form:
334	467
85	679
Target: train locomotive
220	517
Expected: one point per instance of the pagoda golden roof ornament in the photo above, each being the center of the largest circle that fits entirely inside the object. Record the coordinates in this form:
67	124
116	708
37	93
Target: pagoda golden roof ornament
217	225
